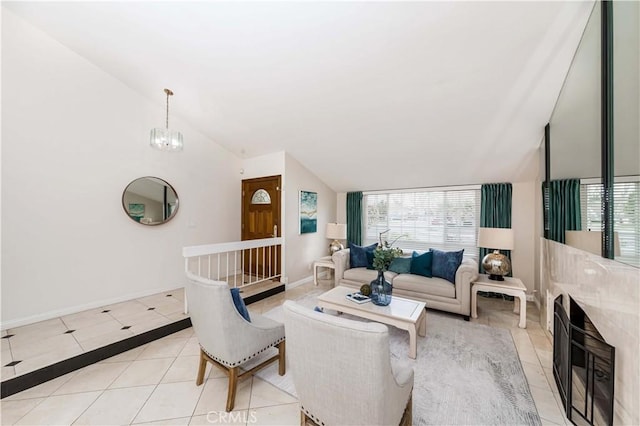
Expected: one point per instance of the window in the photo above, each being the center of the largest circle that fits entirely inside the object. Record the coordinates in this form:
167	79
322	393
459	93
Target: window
446	219
260	197
626	215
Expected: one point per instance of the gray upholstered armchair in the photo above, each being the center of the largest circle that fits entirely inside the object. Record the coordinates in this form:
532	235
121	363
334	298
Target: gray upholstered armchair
342	370
226	339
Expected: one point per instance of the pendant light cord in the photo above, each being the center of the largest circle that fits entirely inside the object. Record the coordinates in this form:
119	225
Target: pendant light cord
169	93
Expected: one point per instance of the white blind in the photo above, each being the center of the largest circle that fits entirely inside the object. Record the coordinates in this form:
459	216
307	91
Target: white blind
626	216
444	219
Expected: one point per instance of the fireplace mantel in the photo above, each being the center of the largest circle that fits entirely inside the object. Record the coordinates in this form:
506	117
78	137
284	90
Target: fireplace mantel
609	293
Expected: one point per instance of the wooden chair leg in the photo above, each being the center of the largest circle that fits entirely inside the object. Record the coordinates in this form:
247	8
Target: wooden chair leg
306	420
281	359
407	416
233	382
201	369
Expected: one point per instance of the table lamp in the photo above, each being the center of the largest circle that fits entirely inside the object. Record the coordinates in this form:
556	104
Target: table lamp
336	232
496	264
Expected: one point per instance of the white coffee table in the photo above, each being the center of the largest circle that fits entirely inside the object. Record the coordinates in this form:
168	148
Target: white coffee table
511	286
404	314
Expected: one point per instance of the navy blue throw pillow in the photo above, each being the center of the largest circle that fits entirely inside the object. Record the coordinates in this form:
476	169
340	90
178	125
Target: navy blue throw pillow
369	258
240	306
446	263
358	255
421	264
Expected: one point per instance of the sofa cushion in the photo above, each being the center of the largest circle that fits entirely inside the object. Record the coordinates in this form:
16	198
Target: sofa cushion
421	264
358	255
401	265
365	275
416	283
446	263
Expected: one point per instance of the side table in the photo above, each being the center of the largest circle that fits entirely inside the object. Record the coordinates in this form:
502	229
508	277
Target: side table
323	262
510	286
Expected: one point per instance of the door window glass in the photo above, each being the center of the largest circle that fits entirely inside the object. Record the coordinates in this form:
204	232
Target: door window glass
260	197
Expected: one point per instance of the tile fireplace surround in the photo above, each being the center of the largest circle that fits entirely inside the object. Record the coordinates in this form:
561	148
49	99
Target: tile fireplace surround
609	293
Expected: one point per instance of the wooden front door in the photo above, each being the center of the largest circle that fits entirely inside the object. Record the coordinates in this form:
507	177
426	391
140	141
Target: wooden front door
261	219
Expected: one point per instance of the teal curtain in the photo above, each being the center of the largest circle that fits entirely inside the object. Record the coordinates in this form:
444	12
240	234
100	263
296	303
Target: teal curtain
564	208
354	217
495	212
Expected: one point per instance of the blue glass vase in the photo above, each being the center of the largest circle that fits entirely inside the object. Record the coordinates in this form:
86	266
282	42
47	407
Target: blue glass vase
381	290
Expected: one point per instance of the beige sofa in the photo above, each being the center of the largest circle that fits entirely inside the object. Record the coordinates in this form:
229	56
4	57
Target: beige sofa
437	293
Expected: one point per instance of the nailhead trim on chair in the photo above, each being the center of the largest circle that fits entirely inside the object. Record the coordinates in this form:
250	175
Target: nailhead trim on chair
314	418
237	363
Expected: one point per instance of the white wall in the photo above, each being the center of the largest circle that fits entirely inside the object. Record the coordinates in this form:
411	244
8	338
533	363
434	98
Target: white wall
524	257
302	250
341	207
264	165
73	138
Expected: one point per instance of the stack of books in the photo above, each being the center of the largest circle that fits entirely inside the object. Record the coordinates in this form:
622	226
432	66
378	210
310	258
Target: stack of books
358	297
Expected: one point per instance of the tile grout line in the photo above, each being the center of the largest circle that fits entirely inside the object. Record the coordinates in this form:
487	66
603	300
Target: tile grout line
563	414
79	344
85	410
156	386
524	373
34	407
101	393
250	398
11	352
204	383
548	388
111	383
73	335
52	395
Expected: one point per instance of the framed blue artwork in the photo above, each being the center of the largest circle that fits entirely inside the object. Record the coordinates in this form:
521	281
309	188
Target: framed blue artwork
308	212
136	211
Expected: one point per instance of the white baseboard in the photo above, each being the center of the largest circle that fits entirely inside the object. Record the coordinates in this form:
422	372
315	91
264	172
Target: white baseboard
536	300
19	322
299	282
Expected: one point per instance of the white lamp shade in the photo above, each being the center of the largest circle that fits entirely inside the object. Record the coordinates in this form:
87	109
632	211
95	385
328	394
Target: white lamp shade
590	241
336	231
496	238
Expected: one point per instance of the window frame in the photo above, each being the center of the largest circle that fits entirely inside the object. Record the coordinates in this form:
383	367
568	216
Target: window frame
449	232
590	206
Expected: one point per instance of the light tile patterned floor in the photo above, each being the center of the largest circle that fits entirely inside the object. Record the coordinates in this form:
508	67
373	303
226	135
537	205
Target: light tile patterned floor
38	345
155	383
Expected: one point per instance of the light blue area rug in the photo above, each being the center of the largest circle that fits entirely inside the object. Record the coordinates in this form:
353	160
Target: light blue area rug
465	374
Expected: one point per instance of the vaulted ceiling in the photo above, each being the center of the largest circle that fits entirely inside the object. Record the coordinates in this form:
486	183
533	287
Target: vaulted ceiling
367	95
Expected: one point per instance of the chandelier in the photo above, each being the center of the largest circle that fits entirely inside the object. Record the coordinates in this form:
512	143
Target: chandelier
165	139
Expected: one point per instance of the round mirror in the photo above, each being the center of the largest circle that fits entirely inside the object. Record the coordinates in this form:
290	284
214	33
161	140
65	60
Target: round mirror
150	201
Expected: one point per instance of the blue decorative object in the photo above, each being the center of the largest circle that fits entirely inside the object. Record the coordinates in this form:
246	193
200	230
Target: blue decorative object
381	290
421	264
401	265
358	255
446	263
239	303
